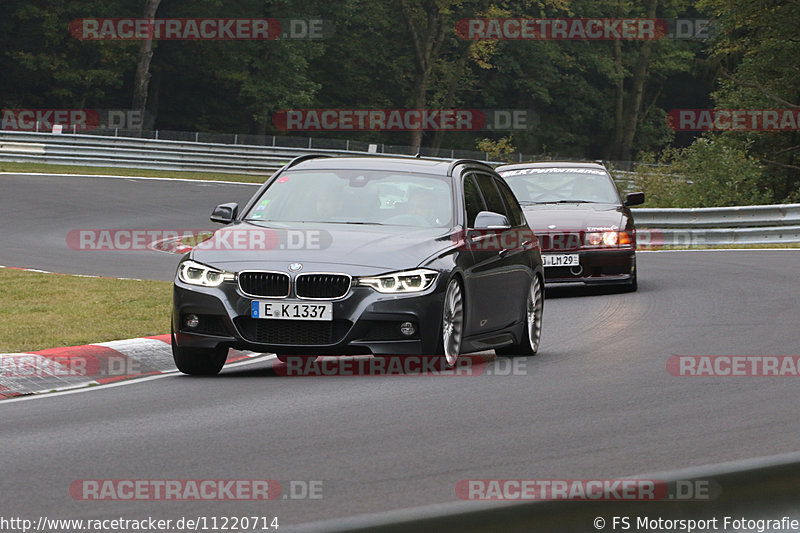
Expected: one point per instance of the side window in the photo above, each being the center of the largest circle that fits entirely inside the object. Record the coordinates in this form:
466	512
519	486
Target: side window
493	200
472	200
517	217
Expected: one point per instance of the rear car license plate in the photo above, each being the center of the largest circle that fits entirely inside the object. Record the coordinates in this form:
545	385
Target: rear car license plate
560	260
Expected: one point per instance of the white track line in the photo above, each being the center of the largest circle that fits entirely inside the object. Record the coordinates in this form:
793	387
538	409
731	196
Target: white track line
166	374
22	269
198	180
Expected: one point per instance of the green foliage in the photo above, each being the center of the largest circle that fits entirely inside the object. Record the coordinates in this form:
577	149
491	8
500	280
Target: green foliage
500	150
43	66
582	93
757	51
712	172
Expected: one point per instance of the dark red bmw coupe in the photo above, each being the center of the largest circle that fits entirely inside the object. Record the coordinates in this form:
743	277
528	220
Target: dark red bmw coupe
585	228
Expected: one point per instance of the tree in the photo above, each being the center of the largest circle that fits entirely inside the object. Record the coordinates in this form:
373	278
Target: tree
142	80
44	66
427	22
757	55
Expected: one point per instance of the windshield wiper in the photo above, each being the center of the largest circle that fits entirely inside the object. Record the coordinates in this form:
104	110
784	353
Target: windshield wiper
574	202
359	223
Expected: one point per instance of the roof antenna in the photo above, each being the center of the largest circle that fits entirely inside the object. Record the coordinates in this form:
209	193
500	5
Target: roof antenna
419	154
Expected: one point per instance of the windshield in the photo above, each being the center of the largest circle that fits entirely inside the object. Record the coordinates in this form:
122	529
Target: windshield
546	185
356	197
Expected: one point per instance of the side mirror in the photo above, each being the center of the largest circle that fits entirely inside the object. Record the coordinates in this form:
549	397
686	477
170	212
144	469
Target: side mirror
634	198
491	220
225	213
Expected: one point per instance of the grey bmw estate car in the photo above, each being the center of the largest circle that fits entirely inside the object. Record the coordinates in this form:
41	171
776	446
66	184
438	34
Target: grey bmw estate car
382	256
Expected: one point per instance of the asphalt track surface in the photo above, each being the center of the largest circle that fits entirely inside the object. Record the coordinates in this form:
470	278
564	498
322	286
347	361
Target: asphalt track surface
596	402
37	213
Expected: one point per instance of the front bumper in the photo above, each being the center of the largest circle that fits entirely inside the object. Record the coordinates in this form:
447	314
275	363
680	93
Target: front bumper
595	267
364	322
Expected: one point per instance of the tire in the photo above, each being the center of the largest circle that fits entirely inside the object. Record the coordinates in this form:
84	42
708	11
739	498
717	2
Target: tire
532	334
452	326
198	362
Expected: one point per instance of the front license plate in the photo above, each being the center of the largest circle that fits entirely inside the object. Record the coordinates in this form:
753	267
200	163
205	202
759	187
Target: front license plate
284	310
560	260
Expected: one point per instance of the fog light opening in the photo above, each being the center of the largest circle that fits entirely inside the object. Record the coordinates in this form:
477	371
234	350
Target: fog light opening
407	329
192	321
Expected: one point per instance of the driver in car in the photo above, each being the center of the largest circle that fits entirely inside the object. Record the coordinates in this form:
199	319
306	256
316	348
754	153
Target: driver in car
423	204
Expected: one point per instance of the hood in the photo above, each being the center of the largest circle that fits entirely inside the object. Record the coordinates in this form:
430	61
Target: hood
574	217
335	247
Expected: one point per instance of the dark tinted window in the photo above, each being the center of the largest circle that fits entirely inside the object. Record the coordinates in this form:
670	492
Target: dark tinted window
517	218
472	200
493	200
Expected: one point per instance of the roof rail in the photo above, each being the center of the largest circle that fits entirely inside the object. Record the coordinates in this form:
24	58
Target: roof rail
300	159
457	162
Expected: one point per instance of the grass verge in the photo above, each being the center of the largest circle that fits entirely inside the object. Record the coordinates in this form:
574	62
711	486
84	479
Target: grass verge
49	310
23	168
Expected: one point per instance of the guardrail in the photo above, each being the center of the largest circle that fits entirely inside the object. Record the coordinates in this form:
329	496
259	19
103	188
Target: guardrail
752	224
764	224
289	141
153	154
763	488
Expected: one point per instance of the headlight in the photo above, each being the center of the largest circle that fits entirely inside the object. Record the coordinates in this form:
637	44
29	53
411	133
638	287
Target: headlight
198	274
607	239
401	282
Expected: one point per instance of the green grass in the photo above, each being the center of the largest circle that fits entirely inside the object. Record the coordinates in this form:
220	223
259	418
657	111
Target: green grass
41	311
23	168
194	240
